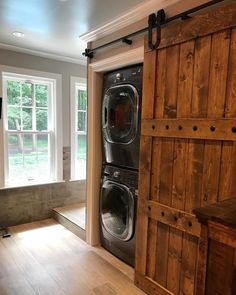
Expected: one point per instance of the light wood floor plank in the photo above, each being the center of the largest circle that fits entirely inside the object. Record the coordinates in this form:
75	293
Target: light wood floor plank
45	258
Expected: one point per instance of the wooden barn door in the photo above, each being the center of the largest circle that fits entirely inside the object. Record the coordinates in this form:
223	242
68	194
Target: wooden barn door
188	145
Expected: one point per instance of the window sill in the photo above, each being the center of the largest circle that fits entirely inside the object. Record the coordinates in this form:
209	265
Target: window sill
77	180
31	184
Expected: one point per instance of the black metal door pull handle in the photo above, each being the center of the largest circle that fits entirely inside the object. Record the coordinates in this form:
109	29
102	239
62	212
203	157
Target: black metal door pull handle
155	21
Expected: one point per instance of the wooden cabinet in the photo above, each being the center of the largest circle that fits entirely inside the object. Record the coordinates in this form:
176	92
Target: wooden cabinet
217	255
188	147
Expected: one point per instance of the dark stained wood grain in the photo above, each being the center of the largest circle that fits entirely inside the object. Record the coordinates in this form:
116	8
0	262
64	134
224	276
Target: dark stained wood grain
219	269
151	248
215	109
194	174
192	87
155	169
173	217
234	274
174	260
202	261
200	25
162	243
227	187
202	55
142	220
150	286
223	212
170	128
149	85
217	249
230	107
222	233
145	161
188	264
166	160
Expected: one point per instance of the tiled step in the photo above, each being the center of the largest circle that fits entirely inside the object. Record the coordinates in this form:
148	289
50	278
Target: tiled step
73	218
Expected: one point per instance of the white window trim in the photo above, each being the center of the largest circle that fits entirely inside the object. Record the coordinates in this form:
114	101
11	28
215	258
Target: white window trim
74	82
57	109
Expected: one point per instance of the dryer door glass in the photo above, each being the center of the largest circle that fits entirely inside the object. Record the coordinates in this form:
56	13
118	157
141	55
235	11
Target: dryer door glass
120	114
117	210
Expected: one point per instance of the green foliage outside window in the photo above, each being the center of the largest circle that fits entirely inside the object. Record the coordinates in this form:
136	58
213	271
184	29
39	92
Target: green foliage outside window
20	97
82	107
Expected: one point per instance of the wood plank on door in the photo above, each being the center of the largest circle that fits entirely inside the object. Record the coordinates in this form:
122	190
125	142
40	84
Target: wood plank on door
191	77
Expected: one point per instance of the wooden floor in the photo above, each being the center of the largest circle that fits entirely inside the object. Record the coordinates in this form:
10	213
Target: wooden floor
75	213
45	258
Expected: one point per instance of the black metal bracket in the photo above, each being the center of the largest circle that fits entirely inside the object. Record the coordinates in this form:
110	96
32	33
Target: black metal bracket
127	41
4	232
88	53
155	21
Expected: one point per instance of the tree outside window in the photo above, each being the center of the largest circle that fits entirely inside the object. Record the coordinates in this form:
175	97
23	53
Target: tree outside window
28	136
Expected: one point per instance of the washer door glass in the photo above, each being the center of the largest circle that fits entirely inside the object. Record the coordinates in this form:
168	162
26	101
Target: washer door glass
120	114
117	210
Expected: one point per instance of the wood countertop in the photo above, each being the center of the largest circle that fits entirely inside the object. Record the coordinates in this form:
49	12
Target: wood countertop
222	212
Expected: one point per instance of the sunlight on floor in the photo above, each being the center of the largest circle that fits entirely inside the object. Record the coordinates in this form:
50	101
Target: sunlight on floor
46	234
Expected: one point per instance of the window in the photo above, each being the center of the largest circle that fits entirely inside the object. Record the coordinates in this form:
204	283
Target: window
31	137
78	128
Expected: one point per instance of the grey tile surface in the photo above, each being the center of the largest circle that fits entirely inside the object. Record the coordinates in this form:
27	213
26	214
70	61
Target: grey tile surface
27	204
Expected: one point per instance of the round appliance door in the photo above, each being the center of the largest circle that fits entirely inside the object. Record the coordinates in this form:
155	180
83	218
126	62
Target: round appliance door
120	114
117	210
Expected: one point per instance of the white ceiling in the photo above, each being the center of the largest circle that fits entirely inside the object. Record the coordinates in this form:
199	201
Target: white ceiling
52	27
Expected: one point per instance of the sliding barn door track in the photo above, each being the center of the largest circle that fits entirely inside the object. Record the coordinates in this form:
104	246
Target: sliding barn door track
155	22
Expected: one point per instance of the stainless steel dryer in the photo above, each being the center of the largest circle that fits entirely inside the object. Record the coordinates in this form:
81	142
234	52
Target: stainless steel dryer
118	206
121	116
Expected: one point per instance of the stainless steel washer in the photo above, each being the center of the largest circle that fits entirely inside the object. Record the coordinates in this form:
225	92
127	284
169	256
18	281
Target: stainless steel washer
118	206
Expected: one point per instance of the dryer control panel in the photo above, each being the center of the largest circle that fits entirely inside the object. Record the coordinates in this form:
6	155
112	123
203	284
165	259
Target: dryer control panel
125	176
131	74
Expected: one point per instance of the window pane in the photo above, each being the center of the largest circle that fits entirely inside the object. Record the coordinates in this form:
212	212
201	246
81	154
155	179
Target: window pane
13	118
82	99
27	94
41	119
81	157
43	155
27	118
41	94
42	143
15	157
81	121
13	93
30	157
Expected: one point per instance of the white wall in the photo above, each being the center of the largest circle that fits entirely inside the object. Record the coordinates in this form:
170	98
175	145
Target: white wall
66	69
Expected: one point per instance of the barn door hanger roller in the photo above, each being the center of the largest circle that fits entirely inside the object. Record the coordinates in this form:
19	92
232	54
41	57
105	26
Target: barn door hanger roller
155	21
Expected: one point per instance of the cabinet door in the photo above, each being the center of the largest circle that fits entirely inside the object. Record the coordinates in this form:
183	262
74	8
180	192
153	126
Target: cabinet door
189	87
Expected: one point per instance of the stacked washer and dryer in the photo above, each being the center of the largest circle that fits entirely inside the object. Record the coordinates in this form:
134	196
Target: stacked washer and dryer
121	136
